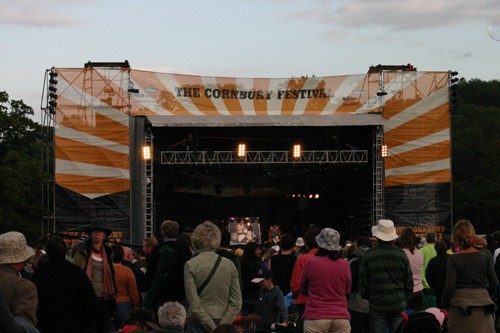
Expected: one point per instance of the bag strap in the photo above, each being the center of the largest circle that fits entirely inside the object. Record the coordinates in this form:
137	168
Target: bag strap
209	277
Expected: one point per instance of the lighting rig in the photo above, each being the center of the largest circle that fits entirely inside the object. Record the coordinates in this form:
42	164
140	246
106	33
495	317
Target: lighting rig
452	90
52	101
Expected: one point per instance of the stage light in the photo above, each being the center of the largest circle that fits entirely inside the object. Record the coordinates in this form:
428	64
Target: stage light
384	151
52	81
53	103
242	150
53	96
316	196
381	93
297	151
146	152
454	80
454	73
52	89
310	196
133	90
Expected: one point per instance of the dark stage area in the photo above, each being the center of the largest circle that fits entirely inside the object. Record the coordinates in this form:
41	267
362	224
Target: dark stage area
292	195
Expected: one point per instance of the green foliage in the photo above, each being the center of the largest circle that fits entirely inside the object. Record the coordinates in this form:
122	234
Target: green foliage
475	154
20	169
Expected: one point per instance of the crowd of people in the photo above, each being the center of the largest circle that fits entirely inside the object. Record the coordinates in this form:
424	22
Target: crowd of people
196	282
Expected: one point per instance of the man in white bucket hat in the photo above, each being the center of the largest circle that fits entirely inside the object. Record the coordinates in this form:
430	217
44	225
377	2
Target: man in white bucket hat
19	294
385	279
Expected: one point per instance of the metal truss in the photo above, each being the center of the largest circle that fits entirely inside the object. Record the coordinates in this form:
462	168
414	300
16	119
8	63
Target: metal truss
378	177
148	188
264	157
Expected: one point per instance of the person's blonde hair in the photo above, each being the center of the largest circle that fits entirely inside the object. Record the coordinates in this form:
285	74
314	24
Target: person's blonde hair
464	234
206	236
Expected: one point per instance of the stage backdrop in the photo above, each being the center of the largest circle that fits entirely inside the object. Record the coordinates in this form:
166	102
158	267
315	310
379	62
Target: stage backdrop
94	108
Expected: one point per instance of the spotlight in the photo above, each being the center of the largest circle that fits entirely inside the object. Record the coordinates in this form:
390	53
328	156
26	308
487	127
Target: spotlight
133	90
384	151
146	152
297	151
53	96
53	103
53	74
316	196
454	73
454	80
241	150
52	89
52	81
381	93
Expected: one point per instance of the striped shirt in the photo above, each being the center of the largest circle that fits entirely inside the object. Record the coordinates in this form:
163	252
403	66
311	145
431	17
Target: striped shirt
385	278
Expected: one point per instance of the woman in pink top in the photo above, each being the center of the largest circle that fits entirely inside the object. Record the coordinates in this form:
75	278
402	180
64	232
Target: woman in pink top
408	242
326	280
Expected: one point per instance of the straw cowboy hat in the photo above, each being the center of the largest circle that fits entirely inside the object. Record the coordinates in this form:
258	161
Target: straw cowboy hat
13	248
385	230
97	225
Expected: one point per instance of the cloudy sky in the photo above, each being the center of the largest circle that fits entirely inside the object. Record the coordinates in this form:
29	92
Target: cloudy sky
252	38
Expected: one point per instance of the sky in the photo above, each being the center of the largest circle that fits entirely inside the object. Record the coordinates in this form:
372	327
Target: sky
252	38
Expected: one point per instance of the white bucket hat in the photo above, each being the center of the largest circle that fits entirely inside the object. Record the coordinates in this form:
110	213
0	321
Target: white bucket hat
328	239
385	230
13	248
299	242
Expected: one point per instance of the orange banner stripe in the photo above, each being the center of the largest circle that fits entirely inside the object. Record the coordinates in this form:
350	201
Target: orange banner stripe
101	87
426	85
195	88
92	185
90	122
440	176
80	152
260	105
316	105
288	104
435	152
431	122
233	105
163	97
354	101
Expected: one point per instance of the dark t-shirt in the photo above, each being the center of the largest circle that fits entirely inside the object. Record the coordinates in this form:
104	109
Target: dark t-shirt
282	267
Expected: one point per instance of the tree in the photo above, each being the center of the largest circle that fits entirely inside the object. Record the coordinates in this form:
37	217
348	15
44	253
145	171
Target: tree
20	169
475	157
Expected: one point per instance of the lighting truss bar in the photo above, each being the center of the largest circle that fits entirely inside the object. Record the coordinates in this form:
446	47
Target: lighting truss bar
264	157
91	64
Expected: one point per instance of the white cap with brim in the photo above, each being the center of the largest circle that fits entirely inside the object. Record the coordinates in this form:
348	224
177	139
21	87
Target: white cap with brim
385	231
257	280
13	248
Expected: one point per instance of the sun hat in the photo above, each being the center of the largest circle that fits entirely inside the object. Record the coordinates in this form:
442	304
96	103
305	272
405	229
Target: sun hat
97	225
13	248
299	242
262	275
328	239
385	230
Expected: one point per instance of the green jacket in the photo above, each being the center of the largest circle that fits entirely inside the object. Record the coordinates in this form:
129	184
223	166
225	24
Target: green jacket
428	252
221	298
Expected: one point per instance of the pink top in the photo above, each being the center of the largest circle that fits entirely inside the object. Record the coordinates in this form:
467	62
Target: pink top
326	283
416	263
